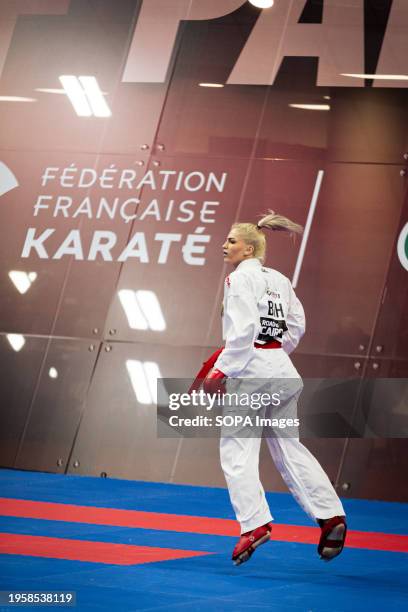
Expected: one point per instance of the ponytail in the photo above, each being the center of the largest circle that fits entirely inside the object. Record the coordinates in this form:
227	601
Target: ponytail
252	233
276	222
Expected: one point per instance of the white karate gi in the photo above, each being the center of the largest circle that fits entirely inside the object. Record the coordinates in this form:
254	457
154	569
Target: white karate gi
260	305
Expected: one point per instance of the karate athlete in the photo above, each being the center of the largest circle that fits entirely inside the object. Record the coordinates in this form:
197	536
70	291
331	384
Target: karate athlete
263	321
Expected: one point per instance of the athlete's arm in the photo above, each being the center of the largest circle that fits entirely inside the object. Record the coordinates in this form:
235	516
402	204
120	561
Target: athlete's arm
295	321
241	326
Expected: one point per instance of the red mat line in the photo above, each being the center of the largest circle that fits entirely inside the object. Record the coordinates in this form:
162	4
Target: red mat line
119	518
188	524
83	550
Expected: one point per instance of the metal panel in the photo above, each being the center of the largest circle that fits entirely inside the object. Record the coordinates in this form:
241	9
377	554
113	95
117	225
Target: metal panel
345	263
18	377
118	433
390	337
211	121
289	132
375	469
198	463
287	188
310	365
82	44
368	126
57	406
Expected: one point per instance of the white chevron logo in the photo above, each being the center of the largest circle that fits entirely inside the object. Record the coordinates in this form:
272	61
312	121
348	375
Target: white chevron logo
7	179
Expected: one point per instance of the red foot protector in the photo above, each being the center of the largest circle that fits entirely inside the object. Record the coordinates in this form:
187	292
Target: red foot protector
249	541
95	552
332	538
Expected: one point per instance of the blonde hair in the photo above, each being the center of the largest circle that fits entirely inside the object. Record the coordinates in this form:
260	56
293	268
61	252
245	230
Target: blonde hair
253	235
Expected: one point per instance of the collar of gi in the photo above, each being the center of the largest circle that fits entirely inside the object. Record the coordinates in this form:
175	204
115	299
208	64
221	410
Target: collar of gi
253	262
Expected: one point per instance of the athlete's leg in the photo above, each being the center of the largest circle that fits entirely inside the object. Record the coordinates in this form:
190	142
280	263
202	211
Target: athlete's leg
303	474
240	463
305	478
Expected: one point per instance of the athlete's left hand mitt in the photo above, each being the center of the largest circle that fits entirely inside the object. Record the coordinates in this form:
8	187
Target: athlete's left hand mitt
214	382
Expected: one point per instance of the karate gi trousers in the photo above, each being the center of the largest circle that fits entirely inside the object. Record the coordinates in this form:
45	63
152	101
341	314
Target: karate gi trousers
302	473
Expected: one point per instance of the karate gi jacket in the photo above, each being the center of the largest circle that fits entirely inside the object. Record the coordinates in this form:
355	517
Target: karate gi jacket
259	305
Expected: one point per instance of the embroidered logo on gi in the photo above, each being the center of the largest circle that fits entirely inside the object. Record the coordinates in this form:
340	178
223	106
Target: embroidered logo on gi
227	280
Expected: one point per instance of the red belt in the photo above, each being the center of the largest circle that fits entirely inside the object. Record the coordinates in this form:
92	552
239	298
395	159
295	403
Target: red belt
271	344
209	364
